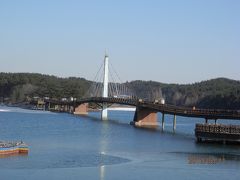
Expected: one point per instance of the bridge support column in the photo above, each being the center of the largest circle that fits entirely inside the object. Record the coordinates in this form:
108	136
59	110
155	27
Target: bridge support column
163	121
47	106
66	108
104	112
206	120
174	122
82	109
71	109
145	118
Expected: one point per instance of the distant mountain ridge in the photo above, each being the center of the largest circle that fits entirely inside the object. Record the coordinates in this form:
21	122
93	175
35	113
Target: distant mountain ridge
221	93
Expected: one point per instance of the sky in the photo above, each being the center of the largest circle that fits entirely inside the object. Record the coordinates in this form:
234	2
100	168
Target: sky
171	41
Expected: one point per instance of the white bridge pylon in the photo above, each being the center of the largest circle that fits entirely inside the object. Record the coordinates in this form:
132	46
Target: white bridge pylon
107	84
105	88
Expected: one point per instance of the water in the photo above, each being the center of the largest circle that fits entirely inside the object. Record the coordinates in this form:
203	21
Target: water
63	146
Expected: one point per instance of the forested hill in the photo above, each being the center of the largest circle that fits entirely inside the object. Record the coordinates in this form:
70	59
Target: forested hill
219	93
215	93
17	86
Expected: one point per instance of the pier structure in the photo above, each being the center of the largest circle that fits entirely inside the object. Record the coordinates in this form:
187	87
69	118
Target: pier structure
217	133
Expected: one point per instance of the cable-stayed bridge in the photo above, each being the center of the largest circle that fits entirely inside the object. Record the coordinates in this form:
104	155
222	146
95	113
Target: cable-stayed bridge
107	89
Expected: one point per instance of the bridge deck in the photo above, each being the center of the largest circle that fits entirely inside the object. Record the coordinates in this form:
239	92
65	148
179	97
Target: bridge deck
163	108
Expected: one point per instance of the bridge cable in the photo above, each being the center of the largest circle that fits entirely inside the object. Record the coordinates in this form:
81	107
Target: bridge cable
88	93
122	85
114	84
100	85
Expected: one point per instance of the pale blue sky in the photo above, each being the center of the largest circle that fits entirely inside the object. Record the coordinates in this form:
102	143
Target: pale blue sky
173	41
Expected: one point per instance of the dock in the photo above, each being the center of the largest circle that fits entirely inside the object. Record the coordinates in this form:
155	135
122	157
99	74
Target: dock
217	133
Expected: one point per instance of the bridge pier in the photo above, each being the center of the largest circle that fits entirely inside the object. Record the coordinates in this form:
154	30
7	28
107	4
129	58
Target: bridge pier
206	121
47	106
82	109
145	118
174	122
163	121
104	112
